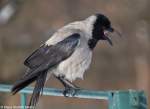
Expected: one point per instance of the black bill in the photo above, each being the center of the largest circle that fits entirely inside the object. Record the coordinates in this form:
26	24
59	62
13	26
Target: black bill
109	40
106	35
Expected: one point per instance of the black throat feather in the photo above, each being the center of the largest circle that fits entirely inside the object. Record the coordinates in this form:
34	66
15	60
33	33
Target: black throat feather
97	34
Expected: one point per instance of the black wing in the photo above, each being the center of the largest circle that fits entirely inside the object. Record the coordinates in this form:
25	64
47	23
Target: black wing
53	54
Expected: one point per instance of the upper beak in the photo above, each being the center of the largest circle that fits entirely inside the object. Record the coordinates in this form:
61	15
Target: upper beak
110	29
106	37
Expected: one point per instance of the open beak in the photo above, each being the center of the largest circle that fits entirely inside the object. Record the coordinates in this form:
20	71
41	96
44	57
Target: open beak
106	35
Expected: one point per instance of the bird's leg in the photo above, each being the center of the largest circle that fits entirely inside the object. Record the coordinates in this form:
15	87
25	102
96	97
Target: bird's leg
70	88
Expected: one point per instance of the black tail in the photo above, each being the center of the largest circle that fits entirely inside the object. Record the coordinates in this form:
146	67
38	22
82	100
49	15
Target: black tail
38	89
24	81
32	76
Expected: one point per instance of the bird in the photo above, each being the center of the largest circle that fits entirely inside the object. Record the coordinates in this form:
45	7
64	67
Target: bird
66	55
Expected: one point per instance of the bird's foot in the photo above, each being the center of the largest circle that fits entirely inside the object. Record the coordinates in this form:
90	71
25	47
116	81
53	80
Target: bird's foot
70	92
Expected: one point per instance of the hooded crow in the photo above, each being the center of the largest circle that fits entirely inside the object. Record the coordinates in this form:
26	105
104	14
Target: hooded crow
66	55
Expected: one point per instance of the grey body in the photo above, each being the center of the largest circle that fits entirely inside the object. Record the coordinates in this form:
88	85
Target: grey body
75	65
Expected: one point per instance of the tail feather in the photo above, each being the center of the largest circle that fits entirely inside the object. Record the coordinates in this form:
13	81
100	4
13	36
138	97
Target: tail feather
28	78
38	88
23	82
31	76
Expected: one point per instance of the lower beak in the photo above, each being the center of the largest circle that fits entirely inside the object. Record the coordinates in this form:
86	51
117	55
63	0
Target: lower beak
109	40
106	35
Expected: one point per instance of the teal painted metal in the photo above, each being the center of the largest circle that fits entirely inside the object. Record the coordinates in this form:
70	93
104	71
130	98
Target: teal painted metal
129	99
58	92
23	100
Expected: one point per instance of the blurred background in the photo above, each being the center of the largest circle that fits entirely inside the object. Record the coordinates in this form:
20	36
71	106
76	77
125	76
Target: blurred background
26	24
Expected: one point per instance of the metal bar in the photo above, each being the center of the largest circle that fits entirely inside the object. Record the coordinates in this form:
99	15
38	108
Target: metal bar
128	99
110	100
103	95
23	100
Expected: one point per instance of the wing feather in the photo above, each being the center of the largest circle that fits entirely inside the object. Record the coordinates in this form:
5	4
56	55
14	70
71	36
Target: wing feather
53	54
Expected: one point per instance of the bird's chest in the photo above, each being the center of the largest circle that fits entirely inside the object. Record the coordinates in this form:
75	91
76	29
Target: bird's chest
75	66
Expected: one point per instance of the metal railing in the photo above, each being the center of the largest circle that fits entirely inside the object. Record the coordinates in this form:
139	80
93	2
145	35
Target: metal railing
129	99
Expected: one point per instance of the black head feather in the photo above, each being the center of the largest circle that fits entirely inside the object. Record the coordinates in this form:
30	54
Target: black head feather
101	23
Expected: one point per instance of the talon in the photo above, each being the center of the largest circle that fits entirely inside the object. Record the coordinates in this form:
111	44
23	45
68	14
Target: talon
70	92
65	93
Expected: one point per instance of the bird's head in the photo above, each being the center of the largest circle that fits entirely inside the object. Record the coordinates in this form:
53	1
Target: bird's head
101	28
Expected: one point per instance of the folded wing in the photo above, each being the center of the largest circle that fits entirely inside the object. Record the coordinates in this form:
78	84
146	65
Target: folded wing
53	54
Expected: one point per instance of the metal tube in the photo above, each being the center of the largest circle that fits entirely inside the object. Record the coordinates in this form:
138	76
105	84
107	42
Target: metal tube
128	99
23	100
103	95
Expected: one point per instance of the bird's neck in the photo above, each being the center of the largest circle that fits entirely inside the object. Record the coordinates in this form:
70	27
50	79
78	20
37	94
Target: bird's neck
92	43
97	34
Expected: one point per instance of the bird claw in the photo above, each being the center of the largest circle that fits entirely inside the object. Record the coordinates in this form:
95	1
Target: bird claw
70	92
